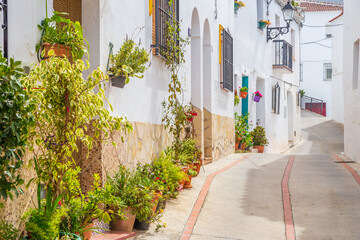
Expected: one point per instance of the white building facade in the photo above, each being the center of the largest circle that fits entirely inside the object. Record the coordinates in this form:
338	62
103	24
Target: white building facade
316	53
351	76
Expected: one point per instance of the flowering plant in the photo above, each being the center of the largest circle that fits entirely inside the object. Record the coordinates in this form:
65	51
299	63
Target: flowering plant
190	115
242	134
236	98
239	3
243	89
257	93
267	22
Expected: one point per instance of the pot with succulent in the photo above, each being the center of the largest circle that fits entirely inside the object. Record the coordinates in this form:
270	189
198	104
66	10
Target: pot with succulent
257	96
129	61
243	92
259	138
263	23
62	35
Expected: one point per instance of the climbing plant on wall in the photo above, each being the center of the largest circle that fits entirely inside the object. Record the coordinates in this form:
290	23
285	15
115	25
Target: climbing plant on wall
15	121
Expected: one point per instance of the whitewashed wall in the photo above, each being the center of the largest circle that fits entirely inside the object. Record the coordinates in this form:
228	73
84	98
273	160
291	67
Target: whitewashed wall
314	56
254	57
352	95
337	89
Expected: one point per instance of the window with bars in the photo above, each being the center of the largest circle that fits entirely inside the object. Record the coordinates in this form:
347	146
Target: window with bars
327	71
301	72
164	14
227	61
276	99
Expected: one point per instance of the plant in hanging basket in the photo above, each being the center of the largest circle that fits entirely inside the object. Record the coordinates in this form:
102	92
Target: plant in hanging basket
63	36
129	61
257	96
237	5
263	23
236	98
243	92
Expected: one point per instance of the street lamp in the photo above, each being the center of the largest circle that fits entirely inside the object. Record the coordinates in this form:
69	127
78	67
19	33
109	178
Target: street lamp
288	12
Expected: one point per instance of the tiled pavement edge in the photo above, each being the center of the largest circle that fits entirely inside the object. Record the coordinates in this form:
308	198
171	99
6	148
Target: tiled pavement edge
189	226
288	216
351	170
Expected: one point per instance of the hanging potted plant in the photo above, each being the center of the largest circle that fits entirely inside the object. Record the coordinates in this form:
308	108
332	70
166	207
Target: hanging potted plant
263	23
259	138
62	35
236	98
257	96
237	5
128	62
243	92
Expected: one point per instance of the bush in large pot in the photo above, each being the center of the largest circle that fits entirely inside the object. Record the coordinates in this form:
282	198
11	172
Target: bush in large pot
259	138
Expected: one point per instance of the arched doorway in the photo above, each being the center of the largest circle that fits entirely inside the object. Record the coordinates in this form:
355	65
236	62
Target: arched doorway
196	83
207	89
290	108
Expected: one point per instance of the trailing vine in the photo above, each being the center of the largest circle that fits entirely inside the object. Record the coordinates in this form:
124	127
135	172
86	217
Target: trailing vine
15	121
175	113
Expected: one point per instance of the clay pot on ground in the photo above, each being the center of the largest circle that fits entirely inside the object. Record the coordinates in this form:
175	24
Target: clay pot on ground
259	148
125	225
198	167
237	145
60	50
88	232
242	146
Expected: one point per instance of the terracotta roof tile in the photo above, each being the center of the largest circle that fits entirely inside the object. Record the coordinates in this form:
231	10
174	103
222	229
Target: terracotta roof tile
319	7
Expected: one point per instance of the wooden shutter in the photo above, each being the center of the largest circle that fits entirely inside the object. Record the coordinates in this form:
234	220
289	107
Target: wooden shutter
275	105
72	7
228	76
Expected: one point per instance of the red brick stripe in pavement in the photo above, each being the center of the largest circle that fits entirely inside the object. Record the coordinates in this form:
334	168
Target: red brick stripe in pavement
200	201
352	171
288	217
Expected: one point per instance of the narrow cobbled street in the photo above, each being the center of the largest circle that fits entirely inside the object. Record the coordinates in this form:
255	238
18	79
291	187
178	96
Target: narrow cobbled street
310	192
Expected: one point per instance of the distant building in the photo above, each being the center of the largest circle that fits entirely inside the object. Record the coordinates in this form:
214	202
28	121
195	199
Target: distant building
316	55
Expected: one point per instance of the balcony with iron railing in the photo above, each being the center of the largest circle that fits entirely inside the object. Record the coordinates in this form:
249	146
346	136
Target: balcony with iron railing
283	55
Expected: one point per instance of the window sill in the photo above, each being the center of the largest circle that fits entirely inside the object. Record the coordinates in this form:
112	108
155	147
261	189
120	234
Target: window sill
283	67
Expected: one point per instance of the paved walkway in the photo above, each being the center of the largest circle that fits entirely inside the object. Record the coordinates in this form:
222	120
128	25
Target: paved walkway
309	193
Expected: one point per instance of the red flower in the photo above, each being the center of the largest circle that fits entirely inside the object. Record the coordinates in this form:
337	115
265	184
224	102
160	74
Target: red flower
194	113
59	203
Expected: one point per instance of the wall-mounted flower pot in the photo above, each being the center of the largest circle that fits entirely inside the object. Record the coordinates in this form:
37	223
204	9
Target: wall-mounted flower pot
118	81
236	8
243	94
59	50
261	25
257	98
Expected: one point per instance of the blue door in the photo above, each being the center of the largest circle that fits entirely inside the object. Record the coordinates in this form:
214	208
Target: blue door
245	101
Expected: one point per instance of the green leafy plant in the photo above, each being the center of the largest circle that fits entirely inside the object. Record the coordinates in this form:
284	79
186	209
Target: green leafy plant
16	119
242	134
7	231
302	92
236	98
244	89
67	107
59	30
130	60
259	136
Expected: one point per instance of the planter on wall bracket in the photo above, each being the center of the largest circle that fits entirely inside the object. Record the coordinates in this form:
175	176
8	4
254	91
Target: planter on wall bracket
118	81
261	25
257	98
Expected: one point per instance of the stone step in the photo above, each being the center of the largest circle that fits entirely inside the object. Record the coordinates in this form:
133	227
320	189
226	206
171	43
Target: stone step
208	160
114	235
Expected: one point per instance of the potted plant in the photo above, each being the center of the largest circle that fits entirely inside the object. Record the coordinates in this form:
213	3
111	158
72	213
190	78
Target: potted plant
198	162
243	138
236	98
62	35
128	62
8	231
259	138
257	96
302	92
243	92
263	23
237	5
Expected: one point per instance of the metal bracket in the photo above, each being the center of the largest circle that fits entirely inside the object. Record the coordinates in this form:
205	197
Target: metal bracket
274	32
267	6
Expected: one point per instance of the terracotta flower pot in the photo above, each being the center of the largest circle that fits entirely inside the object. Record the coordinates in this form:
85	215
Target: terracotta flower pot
125	225
187	184
242	147
156	199
60	50
198	167
243	94
259	148
181	185
237	146
88	233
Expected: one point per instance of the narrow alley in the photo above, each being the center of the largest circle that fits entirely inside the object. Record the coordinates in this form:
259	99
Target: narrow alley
305	193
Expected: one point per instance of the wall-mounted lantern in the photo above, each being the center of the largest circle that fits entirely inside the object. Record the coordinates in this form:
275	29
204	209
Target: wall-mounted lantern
288	12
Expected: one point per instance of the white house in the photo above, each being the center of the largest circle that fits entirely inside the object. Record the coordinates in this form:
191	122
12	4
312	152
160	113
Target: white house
263	65
351	76
316	52
337	89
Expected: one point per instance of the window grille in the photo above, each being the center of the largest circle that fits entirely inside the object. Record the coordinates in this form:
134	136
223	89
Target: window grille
164	13
283	54
276	99
4	26
327	71
228	76
301	72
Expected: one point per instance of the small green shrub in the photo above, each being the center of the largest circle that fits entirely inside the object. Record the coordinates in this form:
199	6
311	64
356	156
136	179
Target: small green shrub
259	136
7	231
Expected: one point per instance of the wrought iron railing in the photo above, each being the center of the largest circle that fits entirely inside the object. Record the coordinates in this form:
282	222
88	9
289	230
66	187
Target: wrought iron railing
4	26
314	105
283	54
